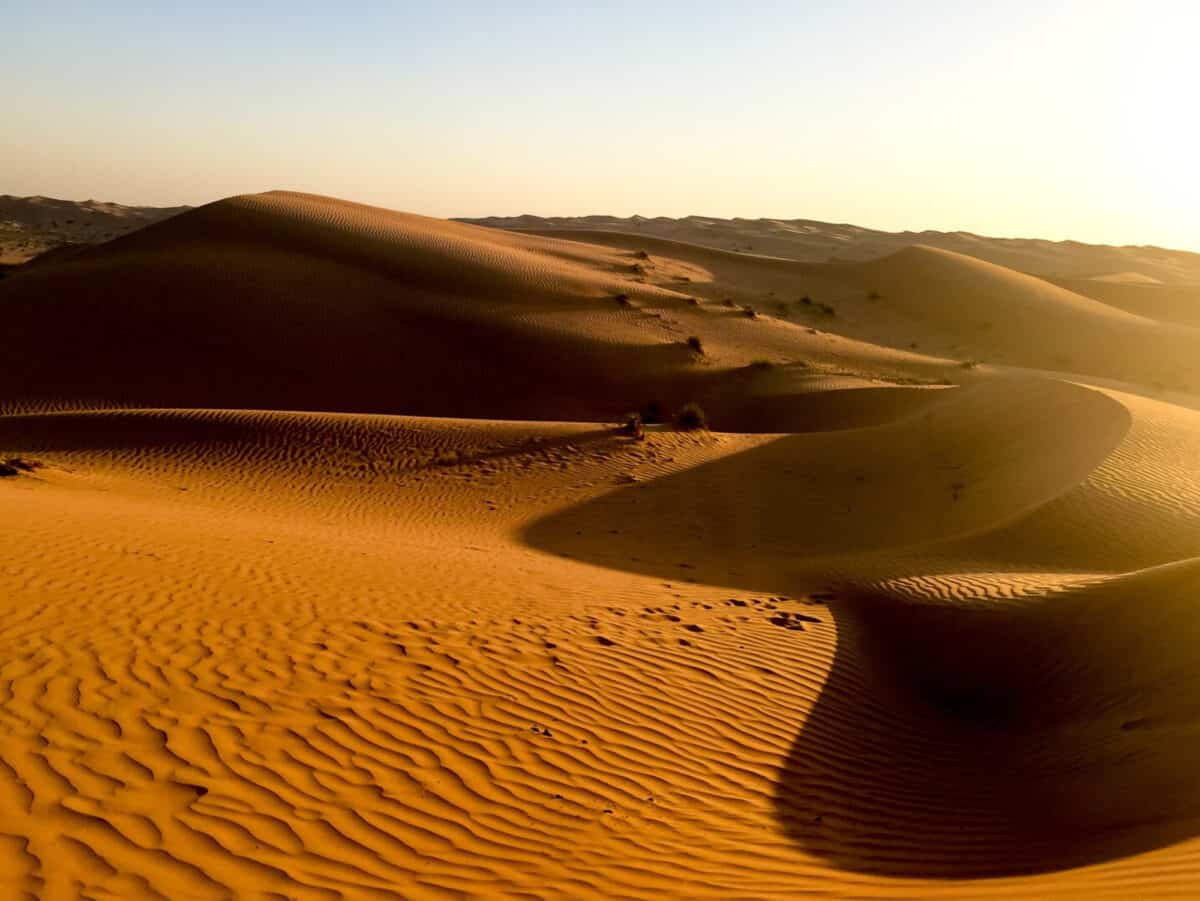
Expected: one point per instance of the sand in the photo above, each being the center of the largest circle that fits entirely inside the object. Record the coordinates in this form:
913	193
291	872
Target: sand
814	241
327	573
32	226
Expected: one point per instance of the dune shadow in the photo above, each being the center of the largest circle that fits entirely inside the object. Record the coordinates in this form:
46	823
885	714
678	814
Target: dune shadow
966	742
951	740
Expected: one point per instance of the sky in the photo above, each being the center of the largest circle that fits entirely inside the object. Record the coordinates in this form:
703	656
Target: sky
1061	119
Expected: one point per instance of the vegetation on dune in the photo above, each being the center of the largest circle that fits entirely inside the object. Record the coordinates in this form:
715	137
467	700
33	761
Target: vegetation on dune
633	426
16	465
690	418
652	412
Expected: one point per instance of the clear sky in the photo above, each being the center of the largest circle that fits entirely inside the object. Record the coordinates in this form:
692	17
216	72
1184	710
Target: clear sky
1052	118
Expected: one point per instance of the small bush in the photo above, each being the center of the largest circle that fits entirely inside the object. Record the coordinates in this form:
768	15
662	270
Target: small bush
696	345
652	412
750	313
633	426
874	295
806	300
968	364
728	301
16	465
694	301
642	255
761	364
690	418
623	300
827	309
637	269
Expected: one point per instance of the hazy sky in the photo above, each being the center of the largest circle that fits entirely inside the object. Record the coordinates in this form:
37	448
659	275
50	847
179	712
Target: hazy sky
1055	118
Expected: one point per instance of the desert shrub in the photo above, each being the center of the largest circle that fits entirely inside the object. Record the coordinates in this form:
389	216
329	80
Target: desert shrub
17	465
874	295
690	418
761	364
694	301
806	300
750	313
633	426
968	364
827	309
623	300
642	255
695	344
728	301
652	412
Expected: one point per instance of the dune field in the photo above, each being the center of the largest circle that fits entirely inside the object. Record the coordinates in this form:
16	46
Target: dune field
32	226
329	572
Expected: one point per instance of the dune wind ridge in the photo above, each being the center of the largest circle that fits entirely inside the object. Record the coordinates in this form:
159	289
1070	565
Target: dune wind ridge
350	553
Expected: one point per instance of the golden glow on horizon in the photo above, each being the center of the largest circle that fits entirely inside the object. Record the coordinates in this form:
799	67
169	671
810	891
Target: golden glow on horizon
1057	120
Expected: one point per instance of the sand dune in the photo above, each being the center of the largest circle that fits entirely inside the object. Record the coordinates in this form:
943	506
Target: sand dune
813	241
952	306
326	573
30	226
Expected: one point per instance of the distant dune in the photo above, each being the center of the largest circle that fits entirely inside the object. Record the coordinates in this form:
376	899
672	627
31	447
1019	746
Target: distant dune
330	571
32	225
818	242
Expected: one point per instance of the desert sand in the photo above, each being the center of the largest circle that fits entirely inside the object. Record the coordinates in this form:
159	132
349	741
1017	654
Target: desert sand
328	572
32	226
813	241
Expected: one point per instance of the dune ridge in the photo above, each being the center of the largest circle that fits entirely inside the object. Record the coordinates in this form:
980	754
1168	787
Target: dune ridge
813	241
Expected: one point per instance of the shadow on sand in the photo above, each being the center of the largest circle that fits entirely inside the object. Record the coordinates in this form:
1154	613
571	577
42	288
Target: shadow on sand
950	740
